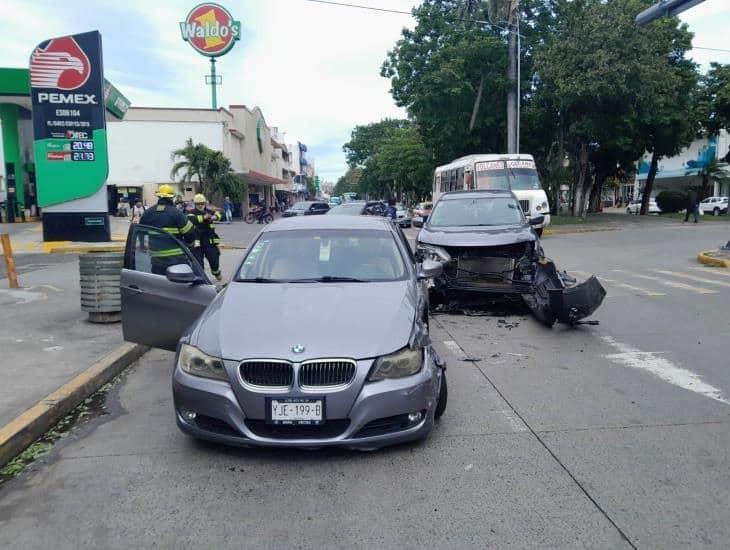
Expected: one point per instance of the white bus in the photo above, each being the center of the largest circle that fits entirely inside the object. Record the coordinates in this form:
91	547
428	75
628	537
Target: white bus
514	172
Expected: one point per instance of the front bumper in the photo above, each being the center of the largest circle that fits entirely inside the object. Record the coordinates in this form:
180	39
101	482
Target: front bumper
221	418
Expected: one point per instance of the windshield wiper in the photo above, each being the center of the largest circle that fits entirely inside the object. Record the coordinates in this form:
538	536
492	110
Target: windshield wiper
259	280
329	279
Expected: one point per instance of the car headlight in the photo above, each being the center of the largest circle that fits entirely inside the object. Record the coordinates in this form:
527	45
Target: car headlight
432	252
195	362
404	362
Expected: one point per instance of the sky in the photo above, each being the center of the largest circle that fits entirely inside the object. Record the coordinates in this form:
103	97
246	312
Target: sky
313	69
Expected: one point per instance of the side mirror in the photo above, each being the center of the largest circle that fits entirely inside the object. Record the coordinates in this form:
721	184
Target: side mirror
537	220
430	269
181	273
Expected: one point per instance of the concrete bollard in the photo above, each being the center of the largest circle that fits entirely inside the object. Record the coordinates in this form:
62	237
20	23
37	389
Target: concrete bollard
99	280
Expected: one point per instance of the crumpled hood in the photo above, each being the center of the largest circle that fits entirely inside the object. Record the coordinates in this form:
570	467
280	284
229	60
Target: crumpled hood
263	320
477	236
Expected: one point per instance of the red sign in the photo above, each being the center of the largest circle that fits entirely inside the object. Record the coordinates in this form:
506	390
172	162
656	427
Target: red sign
60	64
210	29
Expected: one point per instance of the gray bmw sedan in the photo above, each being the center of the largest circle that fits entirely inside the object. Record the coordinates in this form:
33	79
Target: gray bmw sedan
320	338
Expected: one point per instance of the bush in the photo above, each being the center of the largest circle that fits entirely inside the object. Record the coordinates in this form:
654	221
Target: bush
671	201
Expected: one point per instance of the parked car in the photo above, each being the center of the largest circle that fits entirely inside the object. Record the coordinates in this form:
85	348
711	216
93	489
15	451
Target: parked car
334	201
359	208
306	208
421	213
714	205
403	215
634	207
487	246
320	338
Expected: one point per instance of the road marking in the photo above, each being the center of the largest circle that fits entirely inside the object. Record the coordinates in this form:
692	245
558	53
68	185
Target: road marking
692	277
714	270
453	347
662	368
513	420
674	284
640	290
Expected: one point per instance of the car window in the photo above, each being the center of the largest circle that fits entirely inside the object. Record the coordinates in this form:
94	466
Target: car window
475	211
152	250
310	255
352	208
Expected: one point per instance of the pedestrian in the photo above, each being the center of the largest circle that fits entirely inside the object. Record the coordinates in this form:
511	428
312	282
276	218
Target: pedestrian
228	209
137	212
390	211
164	251
202	217
693	205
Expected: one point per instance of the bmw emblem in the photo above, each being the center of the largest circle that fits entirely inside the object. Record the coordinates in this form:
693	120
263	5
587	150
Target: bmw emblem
298	349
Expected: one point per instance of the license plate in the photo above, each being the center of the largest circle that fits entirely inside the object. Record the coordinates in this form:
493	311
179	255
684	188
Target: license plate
296	410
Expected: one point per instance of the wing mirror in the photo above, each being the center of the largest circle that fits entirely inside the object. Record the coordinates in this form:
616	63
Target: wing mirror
181	273
537	220
430	269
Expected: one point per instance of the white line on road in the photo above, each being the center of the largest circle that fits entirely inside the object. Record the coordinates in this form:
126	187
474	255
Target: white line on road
453	347
675	284
714	270
513	420
640	290
662	368
692	277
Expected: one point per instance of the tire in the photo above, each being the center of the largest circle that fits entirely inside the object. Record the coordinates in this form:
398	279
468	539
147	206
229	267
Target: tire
628	211
716	211
250	218
268	218
443	398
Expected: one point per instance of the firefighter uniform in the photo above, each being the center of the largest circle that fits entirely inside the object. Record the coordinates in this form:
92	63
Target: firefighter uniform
202	219
164	215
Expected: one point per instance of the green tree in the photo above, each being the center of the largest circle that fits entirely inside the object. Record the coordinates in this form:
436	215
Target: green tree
714	99
190	160
210	169
713	171
348	183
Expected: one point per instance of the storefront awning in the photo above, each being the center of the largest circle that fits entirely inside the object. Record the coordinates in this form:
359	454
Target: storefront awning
257	178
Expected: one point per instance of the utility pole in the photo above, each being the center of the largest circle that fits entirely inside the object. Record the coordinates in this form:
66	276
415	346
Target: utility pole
513	62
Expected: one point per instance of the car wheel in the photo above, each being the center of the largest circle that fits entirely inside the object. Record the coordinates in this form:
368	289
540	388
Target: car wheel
628	210
443	398
716	211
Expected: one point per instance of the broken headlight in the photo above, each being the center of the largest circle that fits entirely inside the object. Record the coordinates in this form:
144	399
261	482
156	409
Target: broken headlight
428	251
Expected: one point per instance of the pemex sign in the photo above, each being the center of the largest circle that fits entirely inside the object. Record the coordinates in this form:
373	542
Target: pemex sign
210	29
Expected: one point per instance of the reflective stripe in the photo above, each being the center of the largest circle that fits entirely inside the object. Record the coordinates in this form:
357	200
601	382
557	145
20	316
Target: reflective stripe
186	228
215	241
217	215
200	218
160	207
172	230
166	253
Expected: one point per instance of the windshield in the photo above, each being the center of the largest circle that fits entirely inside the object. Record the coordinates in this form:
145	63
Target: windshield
476	212
524	179
301	206
348	209
324	255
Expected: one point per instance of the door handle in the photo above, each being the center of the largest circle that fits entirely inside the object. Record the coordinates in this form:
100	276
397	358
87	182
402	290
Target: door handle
135	289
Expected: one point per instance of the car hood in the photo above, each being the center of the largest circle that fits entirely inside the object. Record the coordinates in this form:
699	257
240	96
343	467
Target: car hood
263	320
477	236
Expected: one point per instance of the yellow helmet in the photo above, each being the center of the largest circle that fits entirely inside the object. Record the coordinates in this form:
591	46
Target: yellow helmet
199	199
165	191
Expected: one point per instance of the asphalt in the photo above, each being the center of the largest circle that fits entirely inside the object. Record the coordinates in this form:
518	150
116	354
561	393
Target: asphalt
608	436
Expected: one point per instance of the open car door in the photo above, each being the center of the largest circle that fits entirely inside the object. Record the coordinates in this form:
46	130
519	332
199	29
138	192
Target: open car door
155	310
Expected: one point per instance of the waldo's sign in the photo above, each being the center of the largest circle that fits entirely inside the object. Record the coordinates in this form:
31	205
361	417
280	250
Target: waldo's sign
210	29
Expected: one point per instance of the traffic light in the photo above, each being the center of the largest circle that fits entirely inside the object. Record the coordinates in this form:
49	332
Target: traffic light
665	8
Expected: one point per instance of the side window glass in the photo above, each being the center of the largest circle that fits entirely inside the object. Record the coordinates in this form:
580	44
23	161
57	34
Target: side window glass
152	250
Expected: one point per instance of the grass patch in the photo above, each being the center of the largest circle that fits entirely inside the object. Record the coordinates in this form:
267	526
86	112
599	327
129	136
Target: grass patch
588	220
705	218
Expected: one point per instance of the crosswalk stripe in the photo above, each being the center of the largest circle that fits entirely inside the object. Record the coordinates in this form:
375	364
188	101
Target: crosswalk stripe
640	290
691	277
674	284
714	270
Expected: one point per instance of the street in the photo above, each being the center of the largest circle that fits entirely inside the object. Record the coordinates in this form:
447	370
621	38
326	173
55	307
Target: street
614	435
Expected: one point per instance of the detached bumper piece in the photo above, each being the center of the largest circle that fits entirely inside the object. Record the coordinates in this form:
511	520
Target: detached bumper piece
558	296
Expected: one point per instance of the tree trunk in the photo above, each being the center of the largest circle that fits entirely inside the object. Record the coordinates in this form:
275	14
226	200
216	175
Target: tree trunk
583	184
649	183
512	98
477	102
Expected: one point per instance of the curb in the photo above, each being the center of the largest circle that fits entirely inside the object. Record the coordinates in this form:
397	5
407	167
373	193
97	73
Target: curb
20	432
66	248
567	229
706	258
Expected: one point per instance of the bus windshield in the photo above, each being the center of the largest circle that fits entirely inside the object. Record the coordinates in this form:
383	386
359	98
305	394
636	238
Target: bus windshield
492	179
524	179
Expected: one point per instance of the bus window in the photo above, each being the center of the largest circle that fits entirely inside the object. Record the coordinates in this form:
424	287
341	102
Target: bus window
460	179
469	181
491	175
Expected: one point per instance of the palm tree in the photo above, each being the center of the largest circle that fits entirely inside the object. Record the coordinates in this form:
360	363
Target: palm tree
219	177
192	164
713	171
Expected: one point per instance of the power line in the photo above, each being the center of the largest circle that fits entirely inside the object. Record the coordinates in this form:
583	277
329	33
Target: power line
710	49
402	12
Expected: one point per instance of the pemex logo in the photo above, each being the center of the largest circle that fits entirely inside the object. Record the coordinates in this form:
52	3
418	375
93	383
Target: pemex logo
60	64
210	29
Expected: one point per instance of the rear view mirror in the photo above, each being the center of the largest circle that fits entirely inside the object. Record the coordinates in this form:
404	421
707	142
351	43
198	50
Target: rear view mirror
537	220
430	269
181	273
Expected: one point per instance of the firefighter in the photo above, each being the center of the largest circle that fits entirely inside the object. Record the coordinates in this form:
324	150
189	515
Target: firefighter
202	218
164	252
